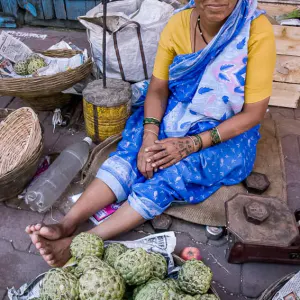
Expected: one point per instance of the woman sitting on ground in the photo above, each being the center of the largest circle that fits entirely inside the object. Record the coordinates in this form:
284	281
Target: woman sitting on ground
197	131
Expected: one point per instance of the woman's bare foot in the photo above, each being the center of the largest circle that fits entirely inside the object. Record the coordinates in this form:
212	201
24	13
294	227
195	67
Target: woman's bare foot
55	253
50	232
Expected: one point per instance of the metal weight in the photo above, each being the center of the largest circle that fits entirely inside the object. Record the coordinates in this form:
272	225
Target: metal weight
257	183
161	223
256	212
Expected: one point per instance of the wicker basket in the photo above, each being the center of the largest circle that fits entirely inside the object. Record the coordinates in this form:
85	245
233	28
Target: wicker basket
46	90
270	292
50	102
13	182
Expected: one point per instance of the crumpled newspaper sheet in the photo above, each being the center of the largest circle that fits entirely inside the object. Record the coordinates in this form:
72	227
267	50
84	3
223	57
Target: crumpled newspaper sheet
163	243
290	291
13	50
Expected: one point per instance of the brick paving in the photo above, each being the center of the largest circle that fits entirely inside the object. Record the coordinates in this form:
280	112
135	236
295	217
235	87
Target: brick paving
21	263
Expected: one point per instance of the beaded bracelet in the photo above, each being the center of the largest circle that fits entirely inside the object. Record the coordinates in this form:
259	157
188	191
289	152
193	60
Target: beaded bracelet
153	121
215	136
199	138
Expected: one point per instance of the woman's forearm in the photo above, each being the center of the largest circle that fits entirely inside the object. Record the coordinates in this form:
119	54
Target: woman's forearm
155	105
242	122
156	102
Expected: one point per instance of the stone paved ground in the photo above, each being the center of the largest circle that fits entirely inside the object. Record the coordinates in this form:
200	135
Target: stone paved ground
19	262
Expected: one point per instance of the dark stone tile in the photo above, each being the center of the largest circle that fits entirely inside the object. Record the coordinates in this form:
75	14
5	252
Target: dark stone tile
224	295
17	103
290	147
2	293
288	126
292	172
39	45
145	228
19	267
42	33
293	194
228	276
78	39
13	223
6	297
130	236
218	243
297	113
148	228
256	277
279	113
197	232
17	204
4	102
50	137
43	115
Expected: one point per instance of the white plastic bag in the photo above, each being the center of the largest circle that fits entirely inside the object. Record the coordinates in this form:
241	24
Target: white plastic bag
134	28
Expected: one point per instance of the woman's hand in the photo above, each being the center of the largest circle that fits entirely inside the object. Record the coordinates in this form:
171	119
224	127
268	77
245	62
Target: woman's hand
143	165
169	151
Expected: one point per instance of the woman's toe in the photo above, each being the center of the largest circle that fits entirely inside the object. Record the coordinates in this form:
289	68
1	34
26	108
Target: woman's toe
45	251
49	257
38	245
27	229
35	238
37	227
51	263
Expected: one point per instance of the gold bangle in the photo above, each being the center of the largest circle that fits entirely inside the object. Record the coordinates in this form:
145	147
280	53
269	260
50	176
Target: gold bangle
193	142
148	130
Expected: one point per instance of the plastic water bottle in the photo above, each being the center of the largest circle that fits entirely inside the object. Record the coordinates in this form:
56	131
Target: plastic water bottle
51	184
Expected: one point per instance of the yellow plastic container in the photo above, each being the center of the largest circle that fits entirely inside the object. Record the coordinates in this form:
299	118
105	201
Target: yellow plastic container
103	122
106	110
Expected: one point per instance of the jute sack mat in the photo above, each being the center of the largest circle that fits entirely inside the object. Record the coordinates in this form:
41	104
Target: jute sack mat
211	212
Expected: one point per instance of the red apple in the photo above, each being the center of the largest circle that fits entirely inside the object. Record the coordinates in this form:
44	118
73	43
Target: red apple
189	253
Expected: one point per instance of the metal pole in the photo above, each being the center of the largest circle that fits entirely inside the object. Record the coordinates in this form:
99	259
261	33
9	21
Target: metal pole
104	2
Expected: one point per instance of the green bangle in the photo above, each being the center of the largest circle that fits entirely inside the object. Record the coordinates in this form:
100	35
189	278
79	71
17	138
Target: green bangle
215	136
199	138
153	121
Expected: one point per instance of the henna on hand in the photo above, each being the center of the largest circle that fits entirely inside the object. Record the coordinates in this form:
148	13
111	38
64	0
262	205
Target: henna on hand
170	151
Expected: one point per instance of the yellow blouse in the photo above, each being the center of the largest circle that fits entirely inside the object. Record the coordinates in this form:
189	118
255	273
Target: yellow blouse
175	40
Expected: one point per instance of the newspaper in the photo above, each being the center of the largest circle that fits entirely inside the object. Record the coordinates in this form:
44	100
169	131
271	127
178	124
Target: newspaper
13	49
163	243
290	291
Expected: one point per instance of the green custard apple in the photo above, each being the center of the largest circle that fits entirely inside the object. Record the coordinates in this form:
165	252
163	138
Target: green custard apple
86	244
112	251
101	284
195	277
159	265
135	266
35	64
21	68
59	285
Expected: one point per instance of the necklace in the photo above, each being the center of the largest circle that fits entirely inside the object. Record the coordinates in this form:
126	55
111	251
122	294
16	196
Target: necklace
201	33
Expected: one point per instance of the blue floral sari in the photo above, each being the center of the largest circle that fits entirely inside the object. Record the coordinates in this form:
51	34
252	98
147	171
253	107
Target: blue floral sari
206	88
